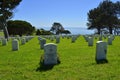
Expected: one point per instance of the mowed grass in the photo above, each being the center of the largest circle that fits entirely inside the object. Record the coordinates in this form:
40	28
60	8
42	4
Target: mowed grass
77	62
1	33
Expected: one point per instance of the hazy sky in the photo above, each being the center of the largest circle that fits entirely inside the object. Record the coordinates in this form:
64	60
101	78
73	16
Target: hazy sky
43	13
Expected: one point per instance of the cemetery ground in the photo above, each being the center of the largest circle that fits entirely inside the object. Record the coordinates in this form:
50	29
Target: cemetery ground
1	33
77	61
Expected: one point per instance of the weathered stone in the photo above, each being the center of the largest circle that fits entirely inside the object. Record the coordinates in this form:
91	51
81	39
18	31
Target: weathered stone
101	51
15	45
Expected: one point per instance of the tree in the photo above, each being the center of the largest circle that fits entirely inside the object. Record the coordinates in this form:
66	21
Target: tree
57	28
38	32
95	19
19	27
104	16
6	12
66	32
43	32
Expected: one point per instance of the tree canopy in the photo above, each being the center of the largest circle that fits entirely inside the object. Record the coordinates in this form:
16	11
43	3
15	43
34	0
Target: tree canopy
6	12
106	15
56	28
19	27
43	32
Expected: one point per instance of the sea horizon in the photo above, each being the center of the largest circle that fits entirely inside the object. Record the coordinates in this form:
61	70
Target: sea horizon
75	30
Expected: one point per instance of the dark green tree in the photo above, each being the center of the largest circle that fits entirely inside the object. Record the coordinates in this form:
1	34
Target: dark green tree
95	19
38	32
57	28
104	16
19	27
43	32
6	12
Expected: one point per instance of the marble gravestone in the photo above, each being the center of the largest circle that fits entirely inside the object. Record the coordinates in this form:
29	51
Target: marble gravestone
42	42
4	42
90	41
73	39
57	39
50	54
15	45
101	52
23	41
110	40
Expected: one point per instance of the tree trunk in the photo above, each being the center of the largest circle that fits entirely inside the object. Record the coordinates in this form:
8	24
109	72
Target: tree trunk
110	30
98	29
6	34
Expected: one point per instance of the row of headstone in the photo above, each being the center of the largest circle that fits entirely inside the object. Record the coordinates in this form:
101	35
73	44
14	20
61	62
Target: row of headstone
51	54
15	42
90	39
74	38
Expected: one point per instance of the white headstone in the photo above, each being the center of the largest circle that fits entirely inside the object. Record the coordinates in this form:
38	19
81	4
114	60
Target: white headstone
23	41
73	39
86	38
110	40
101	51
90	41
4	42
15	45
50	55
57	39
27	38
42	42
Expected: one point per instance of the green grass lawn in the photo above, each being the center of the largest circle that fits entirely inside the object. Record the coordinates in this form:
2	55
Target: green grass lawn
77	62
1	33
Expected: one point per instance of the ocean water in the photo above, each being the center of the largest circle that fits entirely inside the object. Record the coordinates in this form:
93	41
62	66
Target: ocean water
76	30
80	31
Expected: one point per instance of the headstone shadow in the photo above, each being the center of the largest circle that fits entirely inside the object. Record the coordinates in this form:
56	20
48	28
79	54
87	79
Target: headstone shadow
45	67
42	68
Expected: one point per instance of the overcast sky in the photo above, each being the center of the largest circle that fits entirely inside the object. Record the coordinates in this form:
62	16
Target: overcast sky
43	13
